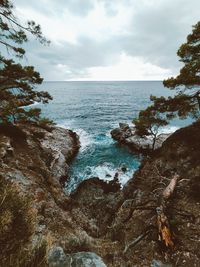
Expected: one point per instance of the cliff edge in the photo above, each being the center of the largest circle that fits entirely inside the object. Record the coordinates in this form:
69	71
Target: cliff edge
99	224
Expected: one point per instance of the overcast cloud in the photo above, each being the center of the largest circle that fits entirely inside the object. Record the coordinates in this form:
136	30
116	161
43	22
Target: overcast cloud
109	39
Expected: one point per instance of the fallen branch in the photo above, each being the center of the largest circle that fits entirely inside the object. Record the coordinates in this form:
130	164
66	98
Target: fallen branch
137	240
165	234
170	188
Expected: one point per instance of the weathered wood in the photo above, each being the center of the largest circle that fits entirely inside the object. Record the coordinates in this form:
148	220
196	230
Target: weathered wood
164	231
170	188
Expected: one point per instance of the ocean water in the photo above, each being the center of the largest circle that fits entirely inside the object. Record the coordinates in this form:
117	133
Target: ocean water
93	109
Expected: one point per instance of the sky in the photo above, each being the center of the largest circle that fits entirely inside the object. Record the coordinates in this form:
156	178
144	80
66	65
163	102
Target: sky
108	39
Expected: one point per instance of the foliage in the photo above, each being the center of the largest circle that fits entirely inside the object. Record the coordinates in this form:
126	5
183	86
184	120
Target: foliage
186	101
187	84
17	82
13	33
148	123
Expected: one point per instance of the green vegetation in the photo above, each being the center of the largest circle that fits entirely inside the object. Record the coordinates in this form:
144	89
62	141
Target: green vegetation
148	123
17	82
186	102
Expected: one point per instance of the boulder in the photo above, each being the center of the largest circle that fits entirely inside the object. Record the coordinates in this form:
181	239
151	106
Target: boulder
57	258
87	259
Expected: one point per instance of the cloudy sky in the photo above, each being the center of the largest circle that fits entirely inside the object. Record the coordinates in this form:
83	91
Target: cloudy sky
109	39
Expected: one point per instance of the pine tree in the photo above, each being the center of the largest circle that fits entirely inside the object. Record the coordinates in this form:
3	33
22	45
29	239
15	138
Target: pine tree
186	102
17	82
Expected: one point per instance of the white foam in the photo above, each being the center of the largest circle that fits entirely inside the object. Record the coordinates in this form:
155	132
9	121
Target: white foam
31	105
34	104
86	140
105	140
168	129
107	172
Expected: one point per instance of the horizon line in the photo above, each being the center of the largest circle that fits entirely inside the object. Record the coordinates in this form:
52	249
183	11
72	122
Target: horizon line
104	81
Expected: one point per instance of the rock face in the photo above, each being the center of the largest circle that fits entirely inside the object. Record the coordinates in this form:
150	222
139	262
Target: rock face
61	149
125	134
35	160
35	145
57	258
179	154
92	226
116	218
95	201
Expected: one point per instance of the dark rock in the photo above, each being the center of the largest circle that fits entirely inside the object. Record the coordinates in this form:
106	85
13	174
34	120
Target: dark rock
97	200
124	168
123	126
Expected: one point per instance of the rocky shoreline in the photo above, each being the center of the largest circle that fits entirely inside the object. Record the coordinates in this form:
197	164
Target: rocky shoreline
94	225
125	134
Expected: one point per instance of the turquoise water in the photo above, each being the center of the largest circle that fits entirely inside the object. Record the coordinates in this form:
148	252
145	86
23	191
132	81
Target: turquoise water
93	109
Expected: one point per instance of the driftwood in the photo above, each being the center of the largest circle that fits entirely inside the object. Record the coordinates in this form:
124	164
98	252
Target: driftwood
165	234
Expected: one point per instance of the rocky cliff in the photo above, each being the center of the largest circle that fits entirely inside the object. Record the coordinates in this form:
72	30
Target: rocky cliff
120	226
124	223
35	162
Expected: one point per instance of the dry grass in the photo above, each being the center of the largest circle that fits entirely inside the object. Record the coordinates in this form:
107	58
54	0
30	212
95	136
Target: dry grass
17	224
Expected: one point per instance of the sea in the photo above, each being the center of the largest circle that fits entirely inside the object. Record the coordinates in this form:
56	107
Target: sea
92	110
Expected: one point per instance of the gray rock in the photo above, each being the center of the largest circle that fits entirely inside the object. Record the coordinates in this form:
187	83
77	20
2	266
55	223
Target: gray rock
125	134
62	145
18	176
157	263
87	259
57	258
